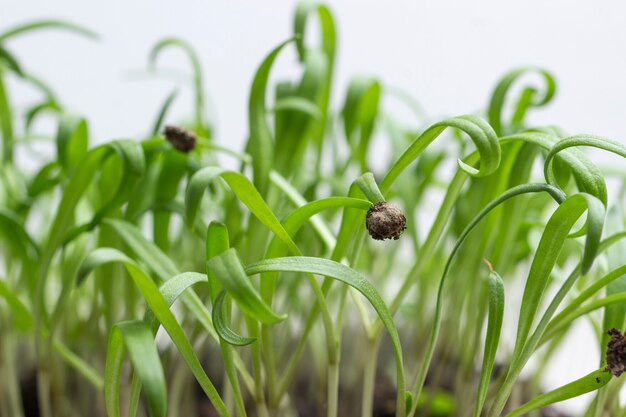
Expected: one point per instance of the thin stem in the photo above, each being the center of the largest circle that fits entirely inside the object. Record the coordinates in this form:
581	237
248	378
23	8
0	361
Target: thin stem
177	391
259	396
13	397
369	376
6	127
231	373
43	383
231	370
333	389
434	335
429	245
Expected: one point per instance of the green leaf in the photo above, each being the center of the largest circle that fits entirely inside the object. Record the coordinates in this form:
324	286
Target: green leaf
45	179
132	161
528	98
99	257
146	251
563	320
319	225
360	112
160	308
477	129
292	224
10	62
589	178
46	24
131	157
554	192
244	190
173	167
72	141
136	336
82	367
22	317
171	290
614	275
352	219
6	122
588	383
492	338
302	14
158	262
615	255
174	287
158	123
260	143
298	104
550	245
221	322
368	186
36	110
588	292
228	269
16	236
352	278
217	241
328	45
300	117
582	140
197	76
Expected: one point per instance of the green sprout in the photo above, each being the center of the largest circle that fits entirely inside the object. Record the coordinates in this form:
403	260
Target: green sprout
303	283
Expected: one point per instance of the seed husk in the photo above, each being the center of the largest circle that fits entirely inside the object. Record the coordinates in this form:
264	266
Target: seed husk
385	221
181	139
616	353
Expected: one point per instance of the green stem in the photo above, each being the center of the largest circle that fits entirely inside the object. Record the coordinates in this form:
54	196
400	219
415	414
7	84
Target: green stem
259	395
518	362
6	126
83	368
434	335
270	367
333	389
43	381
369	376
13	397
231	372
176	392
429	245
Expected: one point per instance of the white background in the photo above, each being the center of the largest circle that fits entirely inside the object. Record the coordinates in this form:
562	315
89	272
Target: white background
447	54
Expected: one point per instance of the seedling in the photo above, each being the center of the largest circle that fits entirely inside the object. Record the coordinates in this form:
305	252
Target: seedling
273	299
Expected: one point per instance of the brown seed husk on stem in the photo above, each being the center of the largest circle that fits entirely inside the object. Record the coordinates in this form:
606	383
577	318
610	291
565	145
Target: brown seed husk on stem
181	139
385	221
616	353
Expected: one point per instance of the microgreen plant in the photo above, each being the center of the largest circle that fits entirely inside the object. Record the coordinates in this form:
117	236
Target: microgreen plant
142	277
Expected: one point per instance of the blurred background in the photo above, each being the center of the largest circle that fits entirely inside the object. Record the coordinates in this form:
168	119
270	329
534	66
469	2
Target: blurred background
448	55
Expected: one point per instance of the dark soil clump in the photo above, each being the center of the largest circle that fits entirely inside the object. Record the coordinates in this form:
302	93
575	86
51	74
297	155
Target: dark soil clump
181	139
385	221
616	353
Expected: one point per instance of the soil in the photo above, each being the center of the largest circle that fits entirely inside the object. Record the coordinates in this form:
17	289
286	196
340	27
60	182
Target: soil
28	388
306	406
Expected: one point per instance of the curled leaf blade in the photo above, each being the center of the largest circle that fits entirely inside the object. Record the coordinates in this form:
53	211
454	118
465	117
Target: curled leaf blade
228	269
221	322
